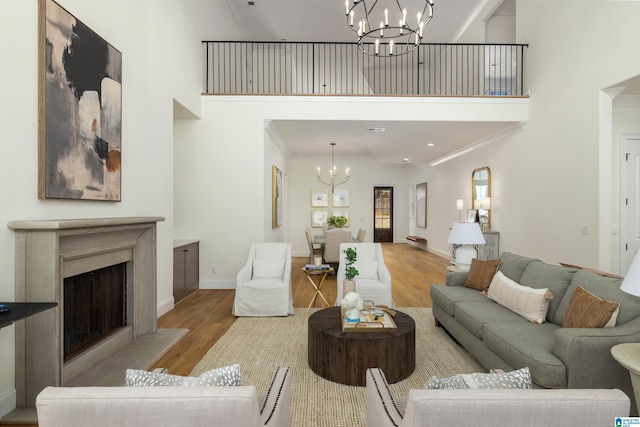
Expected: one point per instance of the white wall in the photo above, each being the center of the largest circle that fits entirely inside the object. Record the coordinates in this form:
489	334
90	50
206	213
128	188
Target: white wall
223	159
149	86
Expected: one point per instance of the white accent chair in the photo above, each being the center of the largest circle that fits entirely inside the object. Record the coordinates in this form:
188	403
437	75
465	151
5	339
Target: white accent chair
263	285
167	406
373	281
491	407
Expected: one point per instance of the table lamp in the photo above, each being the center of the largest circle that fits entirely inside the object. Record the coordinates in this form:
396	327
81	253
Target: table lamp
466	234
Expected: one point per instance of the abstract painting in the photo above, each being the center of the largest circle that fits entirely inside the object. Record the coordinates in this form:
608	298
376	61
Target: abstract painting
80	110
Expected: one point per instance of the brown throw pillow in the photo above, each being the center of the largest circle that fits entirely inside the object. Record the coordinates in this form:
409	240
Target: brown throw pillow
588	311
481	273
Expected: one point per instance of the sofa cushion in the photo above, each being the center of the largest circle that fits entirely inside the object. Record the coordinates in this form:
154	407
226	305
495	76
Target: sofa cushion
554	277
473	315
527	344
530	303
224	376
481	273
588	311
520	378
607	288
513	265
446	297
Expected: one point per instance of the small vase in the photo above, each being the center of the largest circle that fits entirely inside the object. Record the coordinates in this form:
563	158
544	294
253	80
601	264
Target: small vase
348	286
353	315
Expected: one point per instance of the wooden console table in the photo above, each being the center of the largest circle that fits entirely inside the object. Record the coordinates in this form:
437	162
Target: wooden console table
20	310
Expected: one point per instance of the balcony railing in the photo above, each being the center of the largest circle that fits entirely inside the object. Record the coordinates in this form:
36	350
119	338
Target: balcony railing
342	69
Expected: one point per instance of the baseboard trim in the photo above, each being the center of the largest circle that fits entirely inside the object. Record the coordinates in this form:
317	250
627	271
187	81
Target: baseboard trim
7	402
217	284
165	306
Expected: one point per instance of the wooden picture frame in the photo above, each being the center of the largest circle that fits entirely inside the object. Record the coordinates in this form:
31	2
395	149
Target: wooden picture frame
341	198
421	205
319	198
276	197
319	217
79	109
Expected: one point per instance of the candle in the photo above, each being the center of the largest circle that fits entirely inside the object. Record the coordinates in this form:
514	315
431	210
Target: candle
381	29
421	25
346	7
391	47
386	17
401	27
351	18
404	17
377	47
318	171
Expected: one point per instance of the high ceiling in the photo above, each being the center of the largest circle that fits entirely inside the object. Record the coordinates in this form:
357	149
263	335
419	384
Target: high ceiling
325	21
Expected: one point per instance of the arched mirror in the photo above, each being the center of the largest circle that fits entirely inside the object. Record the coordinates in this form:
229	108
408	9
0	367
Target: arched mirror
481	195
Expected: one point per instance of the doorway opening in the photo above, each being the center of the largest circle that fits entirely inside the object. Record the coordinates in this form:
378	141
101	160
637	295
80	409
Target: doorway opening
382	214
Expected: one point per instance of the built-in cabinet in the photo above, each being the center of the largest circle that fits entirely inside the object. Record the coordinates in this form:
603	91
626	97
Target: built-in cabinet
186	268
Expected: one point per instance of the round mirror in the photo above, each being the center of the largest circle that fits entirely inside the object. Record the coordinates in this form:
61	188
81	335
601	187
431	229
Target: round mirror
481	195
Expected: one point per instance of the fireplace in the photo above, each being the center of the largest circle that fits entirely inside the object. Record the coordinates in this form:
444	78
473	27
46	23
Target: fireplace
94	308
50	253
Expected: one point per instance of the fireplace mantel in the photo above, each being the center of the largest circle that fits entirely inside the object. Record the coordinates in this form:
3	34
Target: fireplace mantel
48	251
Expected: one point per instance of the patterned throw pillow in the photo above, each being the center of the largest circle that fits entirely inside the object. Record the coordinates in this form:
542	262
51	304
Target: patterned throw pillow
225	376
481	273
589	311
520	378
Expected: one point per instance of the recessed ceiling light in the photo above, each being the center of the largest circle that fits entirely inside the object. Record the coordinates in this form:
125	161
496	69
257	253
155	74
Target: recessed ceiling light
377	129
431	144
405	160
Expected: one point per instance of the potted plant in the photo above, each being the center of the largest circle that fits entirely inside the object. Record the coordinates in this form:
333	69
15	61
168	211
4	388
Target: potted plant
337	221
349	284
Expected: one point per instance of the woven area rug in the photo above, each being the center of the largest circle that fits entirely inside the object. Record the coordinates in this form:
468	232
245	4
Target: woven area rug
260	345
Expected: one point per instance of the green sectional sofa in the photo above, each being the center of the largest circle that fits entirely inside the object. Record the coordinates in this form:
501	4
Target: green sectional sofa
557	357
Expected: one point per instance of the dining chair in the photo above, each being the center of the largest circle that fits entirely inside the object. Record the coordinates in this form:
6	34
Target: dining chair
361	234
332	244
313	250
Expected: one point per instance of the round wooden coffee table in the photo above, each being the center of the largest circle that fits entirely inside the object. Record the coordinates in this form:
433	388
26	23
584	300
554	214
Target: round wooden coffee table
344	357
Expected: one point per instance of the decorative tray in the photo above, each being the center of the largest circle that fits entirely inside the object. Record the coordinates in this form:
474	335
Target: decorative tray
370	321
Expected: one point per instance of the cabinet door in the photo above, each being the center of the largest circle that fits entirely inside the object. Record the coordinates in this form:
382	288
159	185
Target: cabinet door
191	266
178	270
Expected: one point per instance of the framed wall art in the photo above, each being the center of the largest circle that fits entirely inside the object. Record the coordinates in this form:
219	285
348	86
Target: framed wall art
319	198
341	198
318	217
276	197
421	205
80	109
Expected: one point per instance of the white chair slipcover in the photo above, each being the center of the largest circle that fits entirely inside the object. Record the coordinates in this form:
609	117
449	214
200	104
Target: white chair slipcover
263	284
373	281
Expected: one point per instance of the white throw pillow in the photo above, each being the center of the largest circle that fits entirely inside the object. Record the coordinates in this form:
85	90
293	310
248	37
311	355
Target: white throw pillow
367	270
530	303
267	269
225	376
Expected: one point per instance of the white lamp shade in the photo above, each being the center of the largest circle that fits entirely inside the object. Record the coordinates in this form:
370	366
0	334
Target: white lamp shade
460	204
466	233
631	282
486	203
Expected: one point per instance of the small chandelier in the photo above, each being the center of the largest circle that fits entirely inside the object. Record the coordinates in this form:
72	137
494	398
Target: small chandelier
333	173
383	26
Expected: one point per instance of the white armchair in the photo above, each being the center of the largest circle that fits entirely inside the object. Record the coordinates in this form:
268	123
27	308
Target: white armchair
263	285
373	281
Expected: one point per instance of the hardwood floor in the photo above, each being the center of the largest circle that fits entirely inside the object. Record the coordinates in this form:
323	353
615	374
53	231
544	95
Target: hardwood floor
207	313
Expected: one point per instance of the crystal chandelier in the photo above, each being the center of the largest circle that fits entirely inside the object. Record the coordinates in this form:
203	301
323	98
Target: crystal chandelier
333	173
383	26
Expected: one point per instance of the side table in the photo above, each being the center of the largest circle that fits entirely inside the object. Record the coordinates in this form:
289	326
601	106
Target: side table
628	355
322	274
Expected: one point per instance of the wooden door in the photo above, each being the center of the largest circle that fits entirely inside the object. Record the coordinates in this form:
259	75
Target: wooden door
383	214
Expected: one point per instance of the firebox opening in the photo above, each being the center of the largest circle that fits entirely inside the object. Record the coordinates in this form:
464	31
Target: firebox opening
95	306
